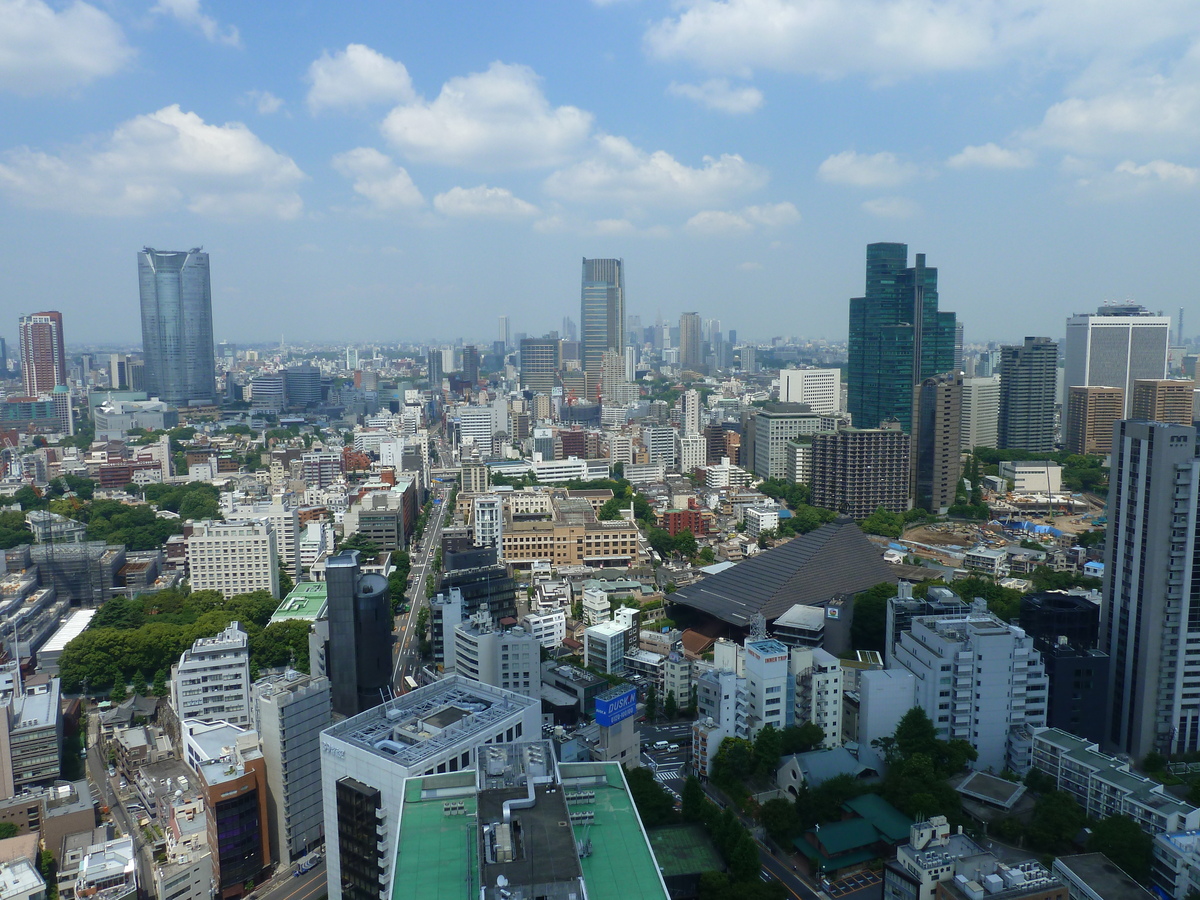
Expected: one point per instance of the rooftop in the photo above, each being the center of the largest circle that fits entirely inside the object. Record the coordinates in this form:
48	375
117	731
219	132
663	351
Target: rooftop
1102	875
307	601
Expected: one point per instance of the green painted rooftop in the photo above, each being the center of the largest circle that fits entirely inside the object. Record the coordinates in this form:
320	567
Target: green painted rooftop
435	844
685	850
306	601
892	825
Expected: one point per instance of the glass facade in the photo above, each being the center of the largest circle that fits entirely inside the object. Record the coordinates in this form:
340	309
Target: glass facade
602	311
239	839
897	337
177	327
361	859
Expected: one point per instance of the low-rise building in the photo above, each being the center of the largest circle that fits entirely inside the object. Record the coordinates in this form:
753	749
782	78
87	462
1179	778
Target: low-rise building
108	871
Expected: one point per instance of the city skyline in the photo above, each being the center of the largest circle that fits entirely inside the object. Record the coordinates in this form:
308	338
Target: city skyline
407	163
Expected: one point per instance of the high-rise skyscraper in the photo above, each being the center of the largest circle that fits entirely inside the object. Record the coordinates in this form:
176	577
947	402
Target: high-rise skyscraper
434	370
601	311
898	337
1028	378
937	453
1115	346
541	359
360	635
470	367
1151	620
503	332
689	342
1092	411
980	412
177	329
43	357
1163	400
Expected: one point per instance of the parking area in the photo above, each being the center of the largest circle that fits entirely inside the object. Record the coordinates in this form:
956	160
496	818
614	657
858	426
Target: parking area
852	884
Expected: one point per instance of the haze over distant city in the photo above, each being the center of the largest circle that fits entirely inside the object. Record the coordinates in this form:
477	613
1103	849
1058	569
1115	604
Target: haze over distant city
400	172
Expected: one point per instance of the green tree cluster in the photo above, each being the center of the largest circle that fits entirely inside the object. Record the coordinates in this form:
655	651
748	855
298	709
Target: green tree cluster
868	627
146	634
919	764
398	579
13	530
883	522
805	517
732	840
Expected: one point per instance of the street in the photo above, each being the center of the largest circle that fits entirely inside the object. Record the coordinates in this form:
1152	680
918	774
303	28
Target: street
308	886
97	772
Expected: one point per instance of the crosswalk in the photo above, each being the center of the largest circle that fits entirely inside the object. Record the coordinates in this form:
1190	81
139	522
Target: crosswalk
669	775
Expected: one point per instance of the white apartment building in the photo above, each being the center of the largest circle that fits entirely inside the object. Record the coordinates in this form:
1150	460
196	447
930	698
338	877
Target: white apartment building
662	444
819	686
365	760
770	689
761	519
316	541
487	520
604	647
597	607
693	452
321	468
108	871
234	557
979	680
819	388
548	628
980	415
477	425
799	461
504	658
690	407
211	681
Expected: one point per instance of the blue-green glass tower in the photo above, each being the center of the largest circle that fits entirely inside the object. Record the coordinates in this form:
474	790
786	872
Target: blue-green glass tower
898	337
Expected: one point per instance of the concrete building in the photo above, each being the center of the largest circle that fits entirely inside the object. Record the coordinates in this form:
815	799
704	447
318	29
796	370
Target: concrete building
1176	867
980	422
108	871
441	728
211	681
885	695
1093	876
604	647
21	879
31	735
693	452
507	658
979	680
821	389
177	341
114	418
761	520
487	520
234	788
571	536
1092	411
774	426
1150	562
43	353
233	557
360	635
856	471
1115	346
936	441
1161	400
1028	379
1105	786
290	712
548	628
1032	476
818	689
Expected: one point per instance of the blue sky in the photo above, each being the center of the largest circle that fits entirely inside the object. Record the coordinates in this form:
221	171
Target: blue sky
403	171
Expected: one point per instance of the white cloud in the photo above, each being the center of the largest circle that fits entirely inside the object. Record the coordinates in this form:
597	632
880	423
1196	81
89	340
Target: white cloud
43	51
1155	114
356	77
188	12
714	222
620	173
613	226
771	215
1161	172
718	94
158	163
498	119
990	156
829	38
750	266
892	207
862	170
482	201
378	179
264	102
889	39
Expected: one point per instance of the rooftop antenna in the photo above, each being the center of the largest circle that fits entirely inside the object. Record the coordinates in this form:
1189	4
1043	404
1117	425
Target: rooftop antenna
758	627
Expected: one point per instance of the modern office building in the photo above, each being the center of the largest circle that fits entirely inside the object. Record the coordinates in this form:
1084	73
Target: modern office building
821	389
980	412
177	331
601	312
233	783
470	366
440	728
855	471
1151	610
508	658
211	681
937	453
302	385
1028	378
1092	411
774	426
690	412
541	358
1164	400
43	353
993	678
487	520
691	355
435	373
290	712
898	337
233	557
360	635
1115	346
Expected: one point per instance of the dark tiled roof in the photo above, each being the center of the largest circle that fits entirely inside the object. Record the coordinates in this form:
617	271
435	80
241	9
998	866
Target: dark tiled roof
833	560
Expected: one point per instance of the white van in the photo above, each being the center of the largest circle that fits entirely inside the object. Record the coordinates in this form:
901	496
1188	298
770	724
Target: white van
661	745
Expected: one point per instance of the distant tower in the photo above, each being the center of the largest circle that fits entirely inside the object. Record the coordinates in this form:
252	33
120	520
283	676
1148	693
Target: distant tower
43	357
601	311
1028	380
503	333
690	356
1115	346
177	332
360	635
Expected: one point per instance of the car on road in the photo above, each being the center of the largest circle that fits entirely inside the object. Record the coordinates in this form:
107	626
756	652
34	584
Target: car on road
672	748
661	745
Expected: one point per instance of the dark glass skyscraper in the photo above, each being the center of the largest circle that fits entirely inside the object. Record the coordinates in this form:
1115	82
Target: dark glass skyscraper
601	312
177	330
898	337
